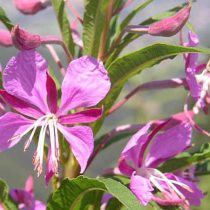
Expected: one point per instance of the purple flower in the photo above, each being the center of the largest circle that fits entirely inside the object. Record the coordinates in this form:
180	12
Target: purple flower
30	90
198	83
25	197
161	143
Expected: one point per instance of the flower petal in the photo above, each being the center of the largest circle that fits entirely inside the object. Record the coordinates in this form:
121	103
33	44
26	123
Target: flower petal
168	144
12	125
86	116
81	140
52	94
25	77
193	197
29	185
142	188
133	153
21	106
39	205
85	84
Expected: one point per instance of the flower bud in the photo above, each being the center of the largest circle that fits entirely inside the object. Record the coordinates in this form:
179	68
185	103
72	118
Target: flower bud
24	40
171	25
5	38
31	6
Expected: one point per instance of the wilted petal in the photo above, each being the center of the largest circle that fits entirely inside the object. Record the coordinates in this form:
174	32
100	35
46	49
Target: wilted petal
81	140
85	84
31	6
133	153
168	144
86	116
142	188
193	197
11	126
25	77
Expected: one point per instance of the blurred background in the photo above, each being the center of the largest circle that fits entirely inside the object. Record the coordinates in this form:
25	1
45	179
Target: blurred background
16	166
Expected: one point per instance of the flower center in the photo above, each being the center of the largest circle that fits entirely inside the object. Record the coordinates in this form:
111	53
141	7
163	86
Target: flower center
167	186
47	121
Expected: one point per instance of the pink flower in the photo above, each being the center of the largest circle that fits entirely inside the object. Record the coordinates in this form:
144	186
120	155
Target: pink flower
197	76
30	90
25	197
31	6
175	137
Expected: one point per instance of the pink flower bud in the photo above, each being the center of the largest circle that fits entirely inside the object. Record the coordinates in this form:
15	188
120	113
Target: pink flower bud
31	6
171	25
24	40
5	38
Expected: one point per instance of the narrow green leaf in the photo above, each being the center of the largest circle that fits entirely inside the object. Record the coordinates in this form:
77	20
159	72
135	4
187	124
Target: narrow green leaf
94	17
64	25
5	198
90	201
113	204
187	160
134	12
4	190
5	20
133	36
134	63
70	193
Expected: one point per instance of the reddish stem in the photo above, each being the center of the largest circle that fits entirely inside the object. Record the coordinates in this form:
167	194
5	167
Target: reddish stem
162	84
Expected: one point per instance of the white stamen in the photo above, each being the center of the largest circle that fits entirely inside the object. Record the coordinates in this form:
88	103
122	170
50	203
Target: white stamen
56	139
38	158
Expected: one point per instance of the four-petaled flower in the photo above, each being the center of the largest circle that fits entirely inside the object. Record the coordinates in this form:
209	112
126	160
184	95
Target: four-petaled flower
30	90
174	138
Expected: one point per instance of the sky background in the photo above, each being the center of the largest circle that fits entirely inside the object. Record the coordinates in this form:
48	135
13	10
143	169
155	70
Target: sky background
16	165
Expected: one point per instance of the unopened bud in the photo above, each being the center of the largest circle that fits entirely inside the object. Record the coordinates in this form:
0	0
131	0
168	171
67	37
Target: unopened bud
5	38
171	25
31	6
24	40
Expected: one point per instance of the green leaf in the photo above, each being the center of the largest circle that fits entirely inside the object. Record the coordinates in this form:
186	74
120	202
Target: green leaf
59	7
187	160
5	198
94	17
113	204
203	168
134	12
134	63
5	20
71	192
91	200
4	190
133	36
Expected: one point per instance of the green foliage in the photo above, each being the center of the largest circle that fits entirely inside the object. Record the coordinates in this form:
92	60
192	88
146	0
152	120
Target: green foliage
187	159
134	12
71	192
59	7
94	17
5	199
127	39
134	63
5	20
4	190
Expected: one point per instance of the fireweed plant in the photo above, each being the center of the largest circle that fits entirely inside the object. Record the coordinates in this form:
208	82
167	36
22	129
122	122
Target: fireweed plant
157	169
